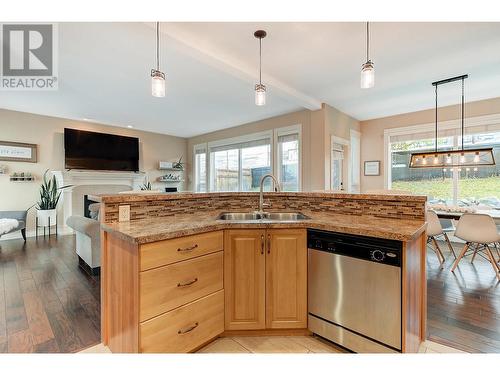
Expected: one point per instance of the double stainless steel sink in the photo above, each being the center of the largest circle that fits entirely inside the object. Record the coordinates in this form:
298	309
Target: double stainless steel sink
269	216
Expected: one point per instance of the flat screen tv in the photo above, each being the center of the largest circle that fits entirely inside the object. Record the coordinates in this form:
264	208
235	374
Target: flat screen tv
99	151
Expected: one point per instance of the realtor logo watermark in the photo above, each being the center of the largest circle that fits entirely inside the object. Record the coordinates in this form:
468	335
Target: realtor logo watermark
29	57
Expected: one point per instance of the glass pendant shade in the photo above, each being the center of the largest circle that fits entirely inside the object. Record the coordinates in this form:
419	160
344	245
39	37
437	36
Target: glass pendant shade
456	158
157	83
260	94
367	75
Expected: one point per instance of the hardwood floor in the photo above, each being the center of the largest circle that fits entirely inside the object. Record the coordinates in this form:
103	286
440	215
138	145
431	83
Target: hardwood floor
47	303
463	309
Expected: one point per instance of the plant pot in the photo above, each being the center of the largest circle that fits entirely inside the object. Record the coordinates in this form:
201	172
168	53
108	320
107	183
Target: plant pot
44	215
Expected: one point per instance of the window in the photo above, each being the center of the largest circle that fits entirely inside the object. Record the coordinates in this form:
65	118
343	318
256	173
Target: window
288	158
466	186
200	167
238	164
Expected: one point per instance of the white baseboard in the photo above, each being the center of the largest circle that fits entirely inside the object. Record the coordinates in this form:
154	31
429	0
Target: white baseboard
61	230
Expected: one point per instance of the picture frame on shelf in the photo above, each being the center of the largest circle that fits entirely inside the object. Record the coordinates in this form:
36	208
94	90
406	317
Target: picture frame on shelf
372	168
17	151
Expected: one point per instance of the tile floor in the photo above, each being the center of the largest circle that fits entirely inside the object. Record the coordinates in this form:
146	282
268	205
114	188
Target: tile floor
280	344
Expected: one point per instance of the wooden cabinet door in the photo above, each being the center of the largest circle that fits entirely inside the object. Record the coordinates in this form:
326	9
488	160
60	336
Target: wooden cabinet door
244	279
286	278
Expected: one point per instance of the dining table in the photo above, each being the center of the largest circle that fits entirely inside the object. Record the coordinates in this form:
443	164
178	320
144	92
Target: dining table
455	215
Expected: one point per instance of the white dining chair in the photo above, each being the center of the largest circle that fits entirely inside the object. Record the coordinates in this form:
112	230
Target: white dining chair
480	234
435	231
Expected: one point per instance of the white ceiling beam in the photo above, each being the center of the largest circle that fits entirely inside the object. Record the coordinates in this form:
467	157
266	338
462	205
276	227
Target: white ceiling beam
226	63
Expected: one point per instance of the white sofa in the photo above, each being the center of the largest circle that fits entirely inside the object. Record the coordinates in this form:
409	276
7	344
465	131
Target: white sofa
88	242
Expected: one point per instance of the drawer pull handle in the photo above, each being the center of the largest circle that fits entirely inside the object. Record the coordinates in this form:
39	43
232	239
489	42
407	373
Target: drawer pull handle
262	244
179	285
189	248
269	244
187	330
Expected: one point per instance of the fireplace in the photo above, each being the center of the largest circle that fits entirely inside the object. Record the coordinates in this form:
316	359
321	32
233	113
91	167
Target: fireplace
92	182
86	203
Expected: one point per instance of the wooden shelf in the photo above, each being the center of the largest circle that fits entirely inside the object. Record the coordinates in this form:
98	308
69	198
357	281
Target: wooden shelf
23	180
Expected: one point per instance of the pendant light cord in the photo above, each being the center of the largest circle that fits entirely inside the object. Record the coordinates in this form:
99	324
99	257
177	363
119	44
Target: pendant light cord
436	118
463	111
157	46
368	41
260	61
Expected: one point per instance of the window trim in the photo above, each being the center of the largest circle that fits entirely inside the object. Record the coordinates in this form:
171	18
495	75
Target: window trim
287	130
241	139
200	146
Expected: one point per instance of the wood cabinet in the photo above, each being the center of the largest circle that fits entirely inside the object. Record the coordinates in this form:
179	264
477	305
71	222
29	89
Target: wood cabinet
167	287
244	278
186	328
286	278
164	296
265	279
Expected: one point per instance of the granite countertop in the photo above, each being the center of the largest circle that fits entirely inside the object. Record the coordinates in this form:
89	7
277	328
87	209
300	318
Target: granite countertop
134	196
161	228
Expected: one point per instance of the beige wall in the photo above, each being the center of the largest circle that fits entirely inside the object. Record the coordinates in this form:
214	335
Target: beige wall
317	127
47	133
337	124
372	132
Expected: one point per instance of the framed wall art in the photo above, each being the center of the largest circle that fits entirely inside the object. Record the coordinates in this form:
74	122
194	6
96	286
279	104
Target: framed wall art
372	168
15	151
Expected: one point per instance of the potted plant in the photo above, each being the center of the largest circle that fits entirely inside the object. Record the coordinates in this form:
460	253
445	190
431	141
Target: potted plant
47	204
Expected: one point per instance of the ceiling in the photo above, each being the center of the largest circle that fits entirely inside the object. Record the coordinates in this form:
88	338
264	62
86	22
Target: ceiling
212	67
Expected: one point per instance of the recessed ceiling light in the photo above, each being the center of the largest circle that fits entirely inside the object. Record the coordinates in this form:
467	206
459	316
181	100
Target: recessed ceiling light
87	119
129	126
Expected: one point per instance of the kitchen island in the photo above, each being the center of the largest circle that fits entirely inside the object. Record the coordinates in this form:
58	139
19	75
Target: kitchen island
175	276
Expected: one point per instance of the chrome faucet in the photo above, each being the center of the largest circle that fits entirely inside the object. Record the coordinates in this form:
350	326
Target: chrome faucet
261	196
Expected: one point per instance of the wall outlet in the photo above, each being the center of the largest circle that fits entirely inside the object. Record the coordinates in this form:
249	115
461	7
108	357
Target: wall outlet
124	213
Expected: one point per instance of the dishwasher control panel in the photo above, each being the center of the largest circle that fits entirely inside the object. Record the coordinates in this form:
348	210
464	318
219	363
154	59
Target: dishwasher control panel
372	249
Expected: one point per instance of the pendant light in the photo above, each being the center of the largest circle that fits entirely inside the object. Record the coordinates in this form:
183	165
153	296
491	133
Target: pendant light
157	76
367	69
475	157
260	89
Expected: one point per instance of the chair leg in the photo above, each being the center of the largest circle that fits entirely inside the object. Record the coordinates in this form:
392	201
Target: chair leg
460	256
439	253
449	245
475	253
493	262
23	233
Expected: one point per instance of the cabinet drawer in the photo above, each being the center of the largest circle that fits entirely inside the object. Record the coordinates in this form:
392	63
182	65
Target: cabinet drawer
168	287
160	253
186	328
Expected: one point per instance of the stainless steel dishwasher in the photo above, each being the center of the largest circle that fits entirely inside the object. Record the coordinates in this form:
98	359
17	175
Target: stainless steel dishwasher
354	290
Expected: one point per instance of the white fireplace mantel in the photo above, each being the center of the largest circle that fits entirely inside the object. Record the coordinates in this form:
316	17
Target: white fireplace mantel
78	178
